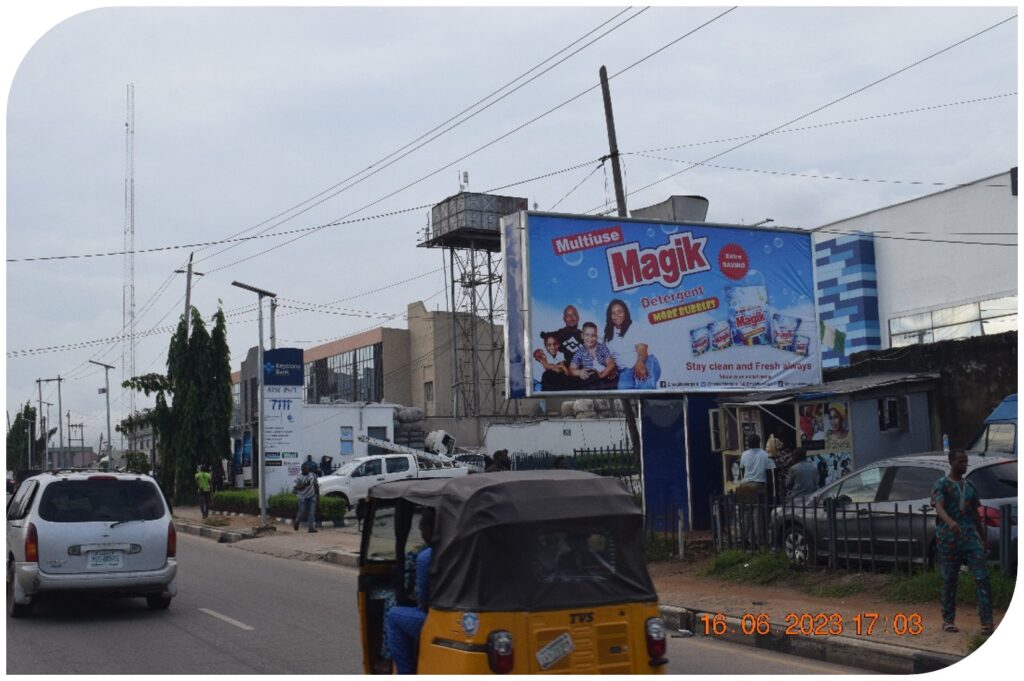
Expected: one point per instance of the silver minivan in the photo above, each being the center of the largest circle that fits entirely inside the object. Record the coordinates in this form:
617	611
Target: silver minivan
91	531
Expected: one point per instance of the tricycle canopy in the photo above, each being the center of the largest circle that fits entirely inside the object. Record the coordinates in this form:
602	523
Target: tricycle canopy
530	540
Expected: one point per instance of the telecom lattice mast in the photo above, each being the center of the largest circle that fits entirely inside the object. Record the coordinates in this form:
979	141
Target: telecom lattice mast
128	290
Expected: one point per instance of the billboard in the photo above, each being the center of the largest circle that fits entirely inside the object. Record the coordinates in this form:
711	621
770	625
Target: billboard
625	306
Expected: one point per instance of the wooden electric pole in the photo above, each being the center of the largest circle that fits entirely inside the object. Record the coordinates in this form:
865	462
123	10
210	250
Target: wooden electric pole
620	201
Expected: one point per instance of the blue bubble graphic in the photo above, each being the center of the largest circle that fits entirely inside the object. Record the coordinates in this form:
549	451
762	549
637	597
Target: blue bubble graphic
592	273
767	249
670	229
650	231
778	242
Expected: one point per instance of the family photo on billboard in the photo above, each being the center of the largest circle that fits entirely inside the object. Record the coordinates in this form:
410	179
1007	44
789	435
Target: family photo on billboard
586	358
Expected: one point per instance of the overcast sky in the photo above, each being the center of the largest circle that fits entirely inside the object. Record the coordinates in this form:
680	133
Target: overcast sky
243	114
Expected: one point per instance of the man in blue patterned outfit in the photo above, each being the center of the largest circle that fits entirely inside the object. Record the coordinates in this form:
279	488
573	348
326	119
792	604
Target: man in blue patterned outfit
960	538
402	624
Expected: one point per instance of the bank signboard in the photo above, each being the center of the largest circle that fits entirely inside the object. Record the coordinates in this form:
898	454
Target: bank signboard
639	306
282	412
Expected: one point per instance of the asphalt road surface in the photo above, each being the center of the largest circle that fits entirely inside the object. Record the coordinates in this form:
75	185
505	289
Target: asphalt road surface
239	612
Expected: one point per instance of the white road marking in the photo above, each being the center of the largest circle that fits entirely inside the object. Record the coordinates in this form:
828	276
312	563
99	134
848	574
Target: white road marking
227	619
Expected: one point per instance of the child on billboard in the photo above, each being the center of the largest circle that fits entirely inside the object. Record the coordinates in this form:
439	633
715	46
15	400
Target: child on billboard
593	363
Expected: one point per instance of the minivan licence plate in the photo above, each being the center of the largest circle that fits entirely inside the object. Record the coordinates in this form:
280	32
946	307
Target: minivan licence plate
105	559
555	650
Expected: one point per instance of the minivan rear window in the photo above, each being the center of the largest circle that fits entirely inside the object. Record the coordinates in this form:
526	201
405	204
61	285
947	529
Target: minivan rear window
84	501
995	482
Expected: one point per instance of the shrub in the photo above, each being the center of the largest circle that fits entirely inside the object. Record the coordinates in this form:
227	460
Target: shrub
136	462
236	501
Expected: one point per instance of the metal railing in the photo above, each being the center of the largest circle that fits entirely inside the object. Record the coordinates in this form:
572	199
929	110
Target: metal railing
853	535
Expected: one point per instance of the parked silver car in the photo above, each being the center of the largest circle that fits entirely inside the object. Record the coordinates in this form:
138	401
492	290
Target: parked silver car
91	531
883	511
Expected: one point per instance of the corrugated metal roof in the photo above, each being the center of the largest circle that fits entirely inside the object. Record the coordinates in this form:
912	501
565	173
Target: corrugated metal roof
845	386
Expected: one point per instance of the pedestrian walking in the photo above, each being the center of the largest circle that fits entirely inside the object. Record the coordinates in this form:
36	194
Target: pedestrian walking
203	485
960	539
306	489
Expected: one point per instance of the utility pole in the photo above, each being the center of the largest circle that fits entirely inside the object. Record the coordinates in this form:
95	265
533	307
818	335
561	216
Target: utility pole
106	390
273	316
620	200
60	408
46	432
261	294
188	294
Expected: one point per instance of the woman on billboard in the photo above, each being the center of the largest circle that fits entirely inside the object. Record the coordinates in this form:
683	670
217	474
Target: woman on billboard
638	369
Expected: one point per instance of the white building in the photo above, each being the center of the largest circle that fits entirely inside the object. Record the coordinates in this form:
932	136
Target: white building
939	267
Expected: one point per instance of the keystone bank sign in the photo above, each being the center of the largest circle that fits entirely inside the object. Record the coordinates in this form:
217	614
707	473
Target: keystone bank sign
283	366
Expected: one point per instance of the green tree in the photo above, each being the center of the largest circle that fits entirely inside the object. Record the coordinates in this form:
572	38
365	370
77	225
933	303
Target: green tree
18	437
192	415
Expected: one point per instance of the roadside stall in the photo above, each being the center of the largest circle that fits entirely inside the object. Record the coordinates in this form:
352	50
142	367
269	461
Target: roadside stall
842	424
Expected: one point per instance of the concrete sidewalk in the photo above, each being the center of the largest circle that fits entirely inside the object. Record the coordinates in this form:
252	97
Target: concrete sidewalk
904	638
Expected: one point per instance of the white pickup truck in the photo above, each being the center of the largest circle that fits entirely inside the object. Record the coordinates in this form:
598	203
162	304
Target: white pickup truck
354	479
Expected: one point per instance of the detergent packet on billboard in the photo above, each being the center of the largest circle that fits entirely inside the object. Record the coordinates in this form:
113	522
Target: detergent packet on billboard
784	330
802	345
748	314
699	343
721	335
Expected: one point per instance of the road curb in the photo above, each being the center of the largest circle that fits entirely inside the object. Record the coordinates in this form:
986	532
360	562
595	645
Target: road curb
875	656
221	536
346	558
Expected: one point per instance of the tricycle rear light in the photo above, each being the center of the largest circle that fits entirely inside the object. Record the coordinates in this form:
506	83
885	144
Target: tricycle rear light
500	652
31	544
172	540
657	640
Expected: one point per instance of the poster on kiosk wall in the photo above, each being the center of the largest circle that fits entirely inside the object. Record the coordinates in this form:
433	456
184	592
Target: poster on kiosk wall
282	413
619	306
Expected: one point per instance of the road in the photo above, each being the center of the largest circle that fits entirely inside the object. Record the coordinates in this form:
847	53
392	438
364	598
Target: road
239	612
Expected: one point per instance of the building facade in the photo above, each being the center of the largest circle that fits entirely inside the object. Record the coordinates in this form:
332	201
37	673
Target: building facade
939	267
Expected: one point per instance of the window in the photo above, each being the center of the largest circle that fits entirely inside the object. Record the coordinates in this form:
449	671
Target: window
428	391
22	500
368	469
1000	437
397	464
910	483
570	553
995	482
986	317
377	433
347	440
381	547
861	487
82	501
893	414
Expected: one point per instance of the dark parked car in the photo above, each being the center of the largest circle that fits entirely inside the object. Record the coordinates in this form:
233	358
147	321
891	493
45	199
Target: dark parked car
883	511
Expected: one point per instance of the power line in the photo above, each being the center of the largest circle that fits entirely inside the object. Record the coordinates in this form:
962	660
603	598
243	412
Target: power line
825	106
812	176
825	125
497	139
441	125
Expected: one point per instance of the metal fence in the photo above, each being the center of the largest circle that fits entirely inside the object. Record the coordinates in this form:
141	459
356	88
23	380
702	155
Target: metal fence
853	536
612	462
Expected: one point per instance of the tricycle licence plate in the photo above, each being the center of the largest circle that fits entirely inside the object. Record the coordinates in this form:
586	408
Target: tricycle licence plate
554	651
105	559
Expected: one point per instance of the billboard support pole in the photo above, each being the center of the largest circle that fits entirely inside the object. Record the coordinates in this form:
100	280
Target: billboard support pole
620	201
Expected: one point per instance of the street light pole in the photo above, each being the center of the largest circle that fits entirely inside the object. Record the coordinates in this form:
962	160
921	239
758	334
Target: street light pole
261	293
106	391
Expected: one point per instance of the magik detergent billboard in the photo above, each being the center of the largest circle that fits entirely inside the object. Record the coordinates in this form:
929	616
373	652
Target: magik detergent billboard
637	306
